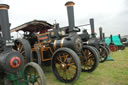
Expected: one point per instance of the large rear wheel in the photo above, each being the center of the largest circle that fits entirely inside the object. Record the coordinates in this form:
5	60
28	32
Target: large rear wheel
24	48
66	65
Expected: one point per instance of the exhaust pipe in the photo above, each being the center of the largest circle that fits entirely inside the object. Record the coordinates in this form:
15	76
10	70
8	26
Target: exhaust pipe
92	27
4	21
70	12
119	36
101	34
111	38
5	26
10	60
56	30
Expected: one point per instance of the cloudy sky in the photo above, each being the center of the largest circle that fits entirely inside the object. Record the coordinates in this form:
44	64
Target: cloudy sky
112	15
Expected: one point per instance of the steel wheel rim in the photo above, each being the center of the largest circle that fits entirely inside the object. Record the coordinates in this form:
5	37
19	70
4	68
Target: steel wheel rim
89	60
20	48
32	76
102	54
65	66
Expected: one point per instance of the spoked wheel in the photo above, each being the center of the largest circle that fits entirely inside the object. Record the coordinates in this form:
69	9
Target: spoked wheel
66	65
103	54
113	48
89	59
24	48
34	74
121	47
107	49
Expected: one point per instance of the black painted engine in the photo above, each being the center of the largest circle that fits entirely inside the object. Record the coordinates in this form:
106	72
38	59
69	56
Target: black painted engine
11	61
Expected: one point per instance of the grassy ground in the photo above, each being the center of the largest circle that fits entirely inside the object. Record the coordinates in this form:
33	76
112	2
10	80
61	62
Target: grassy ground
108	73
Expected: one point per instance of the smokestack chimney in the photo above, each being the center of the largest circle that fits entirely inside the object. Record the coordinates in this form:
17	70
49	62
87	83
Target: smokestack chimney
70	12
92	27
101	34
119	36
56	30
111	38
4	21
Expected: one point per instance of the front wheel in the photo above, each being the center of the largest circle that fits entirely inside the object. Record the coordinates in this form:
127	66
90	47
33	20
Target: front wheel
66	65
34	74
103	54
89	59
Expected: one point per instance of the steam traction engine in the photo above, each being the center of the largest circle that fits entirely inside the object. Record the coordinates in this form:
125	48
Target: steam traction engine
116	43
64	51
12	70
99	45
101	50
102	40
88	55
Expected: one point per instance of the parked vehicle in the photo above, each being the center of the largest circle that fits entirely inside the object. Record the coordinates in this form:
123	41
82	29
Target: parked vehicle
44	43
12	69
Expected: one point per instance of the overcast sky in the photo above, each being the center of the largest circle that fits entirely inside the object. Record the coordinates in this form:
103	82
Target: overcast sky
112	15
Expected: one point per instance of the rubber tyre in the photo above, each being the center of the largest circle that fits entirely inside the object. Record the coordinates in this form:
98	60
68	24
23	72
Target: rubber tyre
39	70
75	58
27	49
96	54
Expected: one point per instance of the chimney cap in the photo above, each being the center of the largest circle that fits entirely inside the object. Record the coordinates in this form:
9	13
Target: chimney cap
91	18
4	6
69	3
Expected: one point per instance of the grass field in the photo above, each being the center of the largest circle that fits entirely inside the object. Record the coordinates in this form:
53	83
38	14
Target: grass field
108	73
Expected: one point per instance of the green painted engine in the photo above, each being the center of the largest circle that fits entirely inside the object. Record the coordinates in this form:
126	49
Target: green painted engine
12	68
